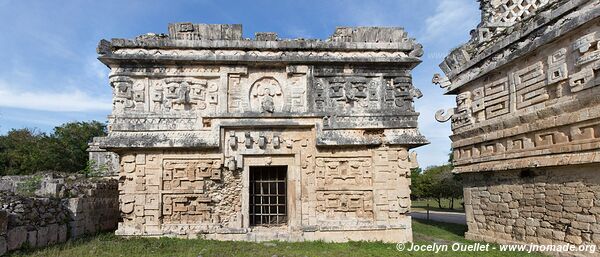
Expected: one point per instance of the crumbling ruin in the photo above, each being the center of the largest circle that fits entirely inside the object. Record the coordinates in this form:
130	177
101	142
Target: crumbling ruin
264	138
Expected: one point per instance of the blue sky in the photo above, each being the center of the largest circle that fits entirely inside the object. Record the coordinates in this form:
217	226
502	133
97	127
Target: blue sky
49	73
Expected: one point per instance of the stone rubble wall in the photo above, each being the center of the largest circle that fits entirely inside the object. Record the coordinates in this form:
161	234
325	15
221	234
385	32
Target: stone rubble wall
545	206
62	208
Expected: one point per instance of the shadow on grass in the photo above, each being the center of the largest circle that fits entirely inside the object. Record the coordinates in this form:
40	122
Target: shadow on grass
424	230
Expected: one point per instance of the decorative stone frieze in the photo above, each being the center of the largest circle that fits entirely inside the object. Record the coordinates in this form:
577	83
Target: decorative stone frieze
528	103
200	112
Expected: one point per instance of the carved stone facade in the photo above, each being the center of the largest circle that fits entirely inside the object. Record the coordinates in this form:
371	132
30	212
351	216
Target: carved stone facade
196	111
528	109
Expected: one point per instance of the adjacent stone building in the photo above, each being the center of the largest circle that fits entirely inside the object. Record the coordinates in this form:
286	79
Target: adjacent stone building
262	139
526	128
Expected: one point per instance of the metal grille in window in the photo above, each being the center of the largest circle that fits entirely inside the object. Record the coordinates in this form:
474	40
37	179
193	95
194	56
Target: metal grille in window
268	196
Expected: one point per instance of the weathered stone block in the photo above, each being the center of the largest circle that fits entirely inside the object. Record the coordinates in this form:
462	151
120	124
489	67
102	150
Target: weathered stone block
495	198
586	203
32	238
62	233
544	232
3	222
16	237
42	236
586	218
581	225
567	190
532	222
573	239
573	209
52	234
558	235
554	199
3	245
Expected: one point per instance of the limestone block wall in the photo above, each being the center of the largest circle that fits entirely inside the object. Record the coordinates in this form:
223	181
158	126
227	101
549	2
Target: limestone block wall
59	210
94	211
545	206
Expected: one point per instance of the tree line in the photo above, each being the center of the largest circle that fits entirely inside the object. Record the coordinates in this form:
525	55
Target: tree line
436	182
27	151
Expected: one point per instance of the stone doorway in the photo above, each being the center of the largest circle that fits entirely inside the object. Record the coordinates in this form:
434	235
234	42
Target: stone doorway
268	195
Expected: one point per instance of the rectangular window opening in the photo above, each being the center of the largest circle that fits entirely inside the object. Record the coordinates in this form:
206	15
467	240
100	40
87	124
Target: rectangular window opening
268	195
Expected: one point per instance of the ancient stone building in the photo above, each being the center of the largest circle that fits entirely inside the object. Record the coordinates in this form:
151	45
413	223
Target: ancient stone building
261	139
526	128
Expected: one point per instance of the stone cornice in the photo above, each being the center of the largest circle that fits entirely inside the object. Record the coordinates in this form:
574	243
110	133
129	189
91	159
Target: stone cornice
289	45
546	160
228	56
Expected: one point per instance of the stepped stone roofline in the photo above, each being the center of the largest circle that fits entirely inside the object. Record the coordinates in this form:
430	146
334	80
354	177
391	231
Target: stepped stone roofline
388	44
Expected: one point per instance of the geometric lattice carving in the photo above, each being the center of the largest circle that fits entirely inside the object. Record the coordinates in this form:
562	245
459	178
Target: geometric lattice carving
500	14
509	11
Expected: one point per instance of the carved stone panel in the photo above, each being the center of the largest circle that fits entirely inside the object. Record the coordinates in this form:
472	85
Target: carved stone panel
496	98
266	96
187	176
122	94
266	91
345	204
184	209
530	85
343	173
181	94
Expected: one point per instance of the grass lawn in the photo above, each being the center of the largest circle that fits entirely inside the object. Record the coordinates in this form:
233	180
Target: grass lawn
111	245
433	205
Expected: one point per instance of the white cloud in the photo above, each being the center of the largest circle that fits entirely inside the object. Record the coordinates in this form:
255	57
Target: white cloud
452	18
65	101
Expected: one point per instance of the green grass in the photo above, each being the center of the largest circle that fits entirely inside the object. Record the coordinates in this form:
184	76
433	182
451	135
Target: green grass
111	245
433	205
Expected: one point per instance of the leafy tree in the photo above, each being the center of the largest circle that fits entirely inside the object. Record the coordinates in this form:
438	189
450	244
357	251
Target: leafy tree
23	151
27	151
436	182
416	184
70	141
